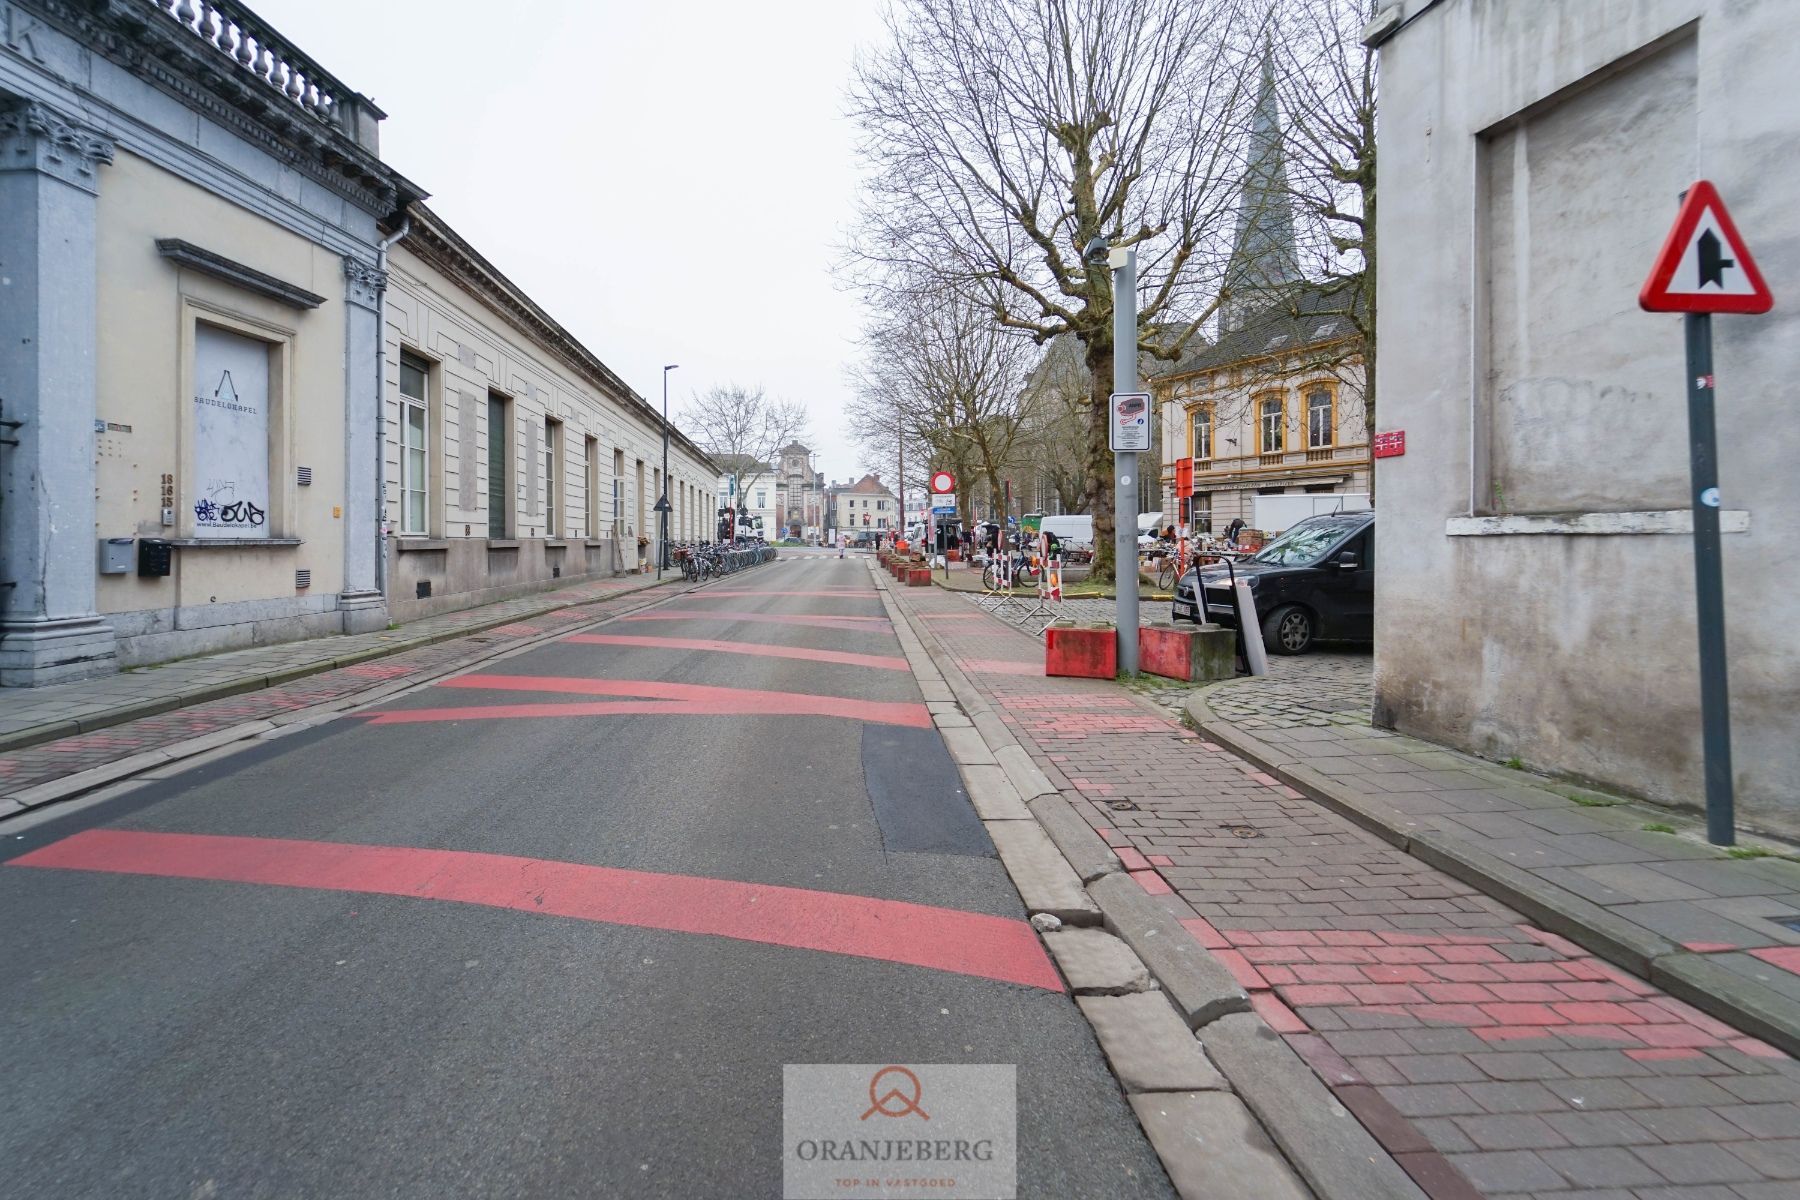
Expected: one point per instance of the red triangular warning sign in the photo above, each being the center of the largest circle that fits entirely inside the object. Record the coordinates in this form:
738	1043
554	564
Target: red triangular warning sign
1704	266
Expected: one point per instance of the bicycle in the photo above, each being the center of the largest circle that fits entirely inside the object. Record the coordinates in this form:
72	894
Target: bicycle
1025	569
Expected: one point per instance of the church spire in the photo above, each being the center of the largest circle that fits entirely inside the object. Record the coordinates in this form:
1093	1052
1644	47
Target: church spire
1264	257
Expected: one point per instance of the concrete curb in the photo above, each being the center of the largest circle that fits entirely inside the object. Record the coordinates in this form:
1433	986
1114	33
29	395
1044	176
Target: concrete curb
1145	983
1202	988
69	787
38	734
1319	1136
1759	1011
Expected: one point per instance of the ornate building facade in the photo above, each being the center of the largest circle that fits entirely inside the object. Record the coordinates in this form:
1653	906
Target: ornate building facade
189	213
1274	405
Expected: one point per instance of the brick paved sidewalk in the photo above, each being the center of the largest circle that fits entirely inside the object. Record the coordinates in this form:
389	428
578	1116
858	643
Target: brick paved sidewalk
1490	1057
31	773
1635	882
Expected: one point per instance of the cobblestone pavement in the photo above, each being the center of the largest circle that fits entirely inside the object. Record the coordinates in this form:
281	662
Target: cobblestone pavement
51	760
1489	1057
1324	688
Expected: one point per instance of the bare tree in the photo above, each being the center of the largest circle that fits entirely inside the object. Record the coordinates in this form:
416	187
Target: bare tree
949	364
1004	136
1326	82
744	429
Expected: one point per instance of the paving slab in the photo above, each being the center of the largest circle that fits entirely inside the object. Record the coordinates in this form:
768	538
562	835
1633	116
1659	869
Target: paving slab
1045	882
1097	963
993	795
1214	1149
1087	853
1148	1044
1202	988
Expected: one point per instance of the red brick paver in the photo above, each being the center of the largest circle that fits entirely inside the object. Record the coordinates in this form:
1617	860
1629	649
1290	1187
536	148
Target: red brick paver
1489	1057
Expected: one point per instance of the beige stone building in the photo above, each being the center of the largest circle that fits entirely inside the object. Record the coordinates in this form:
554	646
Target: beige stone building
866	506
189	252
514	456
1274	406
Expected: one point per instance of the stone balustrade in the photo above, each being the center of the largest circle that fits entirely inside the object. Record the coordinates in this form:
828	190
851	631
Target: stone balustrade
235	32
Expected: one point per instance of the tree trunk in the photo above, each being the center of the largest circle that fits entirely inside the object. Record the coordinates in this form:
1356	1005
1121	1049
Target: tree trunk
1098	460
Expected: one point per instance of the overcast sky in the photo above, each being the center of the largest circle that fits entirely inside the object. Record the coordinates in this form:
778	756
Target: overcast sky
670	181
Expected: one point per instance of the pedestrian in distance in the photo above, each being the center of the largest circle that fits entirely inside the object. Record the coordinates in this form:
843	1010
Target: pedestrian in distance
1232	530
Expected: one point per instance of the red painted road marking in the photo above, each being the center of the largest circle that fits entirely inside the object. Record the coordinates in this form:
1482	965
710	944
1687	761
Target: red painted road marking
885	662
1000	666
943	939
696	699
842	594
817	621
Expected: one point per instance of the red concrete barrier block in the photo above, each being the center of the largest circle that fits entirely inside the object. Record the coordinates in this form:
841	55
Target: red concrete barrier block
1196	653
918	577
1084	651
952	556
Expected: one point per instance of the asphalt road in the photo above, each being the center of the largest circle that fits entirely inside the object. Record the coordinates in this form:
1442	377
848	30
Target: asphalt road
553	981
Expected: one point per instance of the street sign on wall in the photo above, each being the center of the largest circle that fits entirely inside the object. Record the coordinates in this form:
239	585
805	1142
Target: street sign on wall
1390	444
1130	423
1705	267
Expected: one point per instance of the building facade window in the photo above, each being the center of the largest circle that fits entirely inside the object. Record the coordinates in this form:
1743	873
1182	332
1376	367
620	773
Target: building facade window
1271	428
590	459
553	483
1321	423
1201	508
415	449
234	433
1203	433
499	477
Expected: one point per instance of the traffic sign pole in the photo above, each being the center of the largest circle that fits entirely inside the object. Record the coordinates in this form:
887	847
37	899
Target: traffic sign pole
1709	583
1125	358
1705	267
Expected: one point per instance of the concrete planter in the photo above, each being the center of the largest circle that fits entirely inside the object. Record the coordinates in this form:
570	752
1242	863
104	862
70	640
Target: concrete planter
917	576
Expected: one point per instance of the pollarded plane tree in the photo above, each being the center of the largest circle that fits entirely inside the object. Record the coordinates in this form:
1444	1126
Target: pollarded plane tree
1002	137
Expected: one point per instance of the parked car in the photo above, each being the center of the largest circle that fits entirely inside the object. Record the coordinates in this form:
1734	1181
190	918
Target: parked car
1316	582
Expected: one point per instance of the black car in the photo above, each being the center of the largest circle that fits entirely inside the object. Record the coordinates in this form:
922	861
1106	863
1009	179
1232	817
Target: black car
1314	582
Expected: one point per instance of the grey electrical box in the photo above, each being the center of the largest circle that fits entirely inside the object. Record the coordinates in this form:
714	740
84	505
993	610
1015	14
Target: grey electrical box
115	556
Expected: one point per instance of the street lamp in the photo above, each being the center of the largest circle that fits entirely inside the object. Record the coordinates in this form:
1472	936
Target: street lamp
662	502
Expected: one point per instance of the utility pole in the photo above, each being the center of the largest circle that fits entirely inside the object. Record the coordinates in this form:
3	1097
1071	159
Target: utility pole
1123	261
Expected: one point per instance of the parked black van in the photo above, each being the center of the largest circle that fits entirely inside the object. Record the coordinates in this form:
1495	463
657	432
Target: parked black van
1316	582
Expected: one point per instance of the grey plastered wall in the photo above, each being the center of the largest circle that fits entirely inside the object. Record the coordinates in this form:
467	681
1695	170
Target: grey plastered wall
1531	155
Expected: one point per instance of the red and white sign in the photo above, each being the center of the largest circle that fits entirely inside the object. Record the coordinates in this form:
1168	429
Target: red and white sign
942	482
1705	267
1391	444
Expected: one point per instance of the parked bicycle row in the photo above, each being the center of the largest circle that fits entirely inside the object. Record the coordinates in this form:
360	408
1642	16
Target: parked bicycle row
703	560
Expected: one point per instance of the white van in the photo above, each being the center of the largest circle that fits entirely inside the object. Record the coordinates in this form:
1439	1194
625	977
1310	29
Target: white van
1070	527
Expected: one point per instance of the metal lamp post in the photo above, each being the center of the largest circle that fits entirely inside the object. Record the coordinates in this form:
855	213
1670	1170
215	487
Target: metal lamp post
662	503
